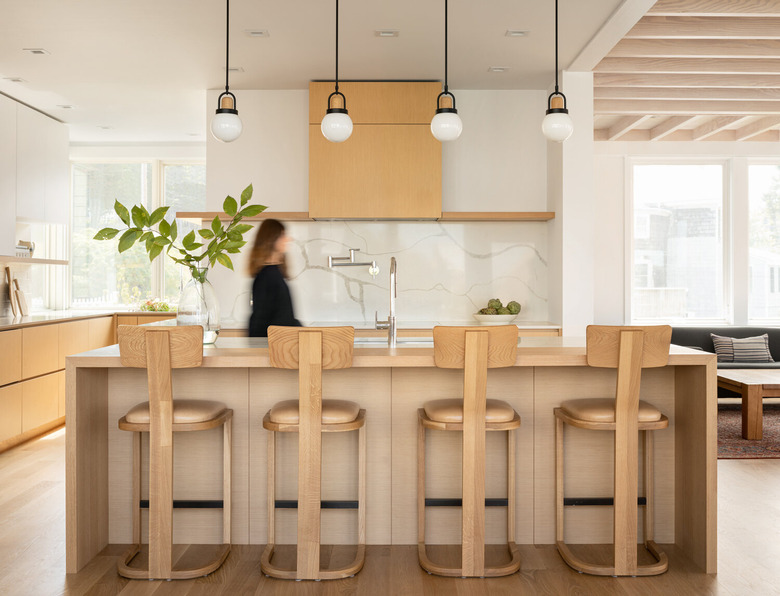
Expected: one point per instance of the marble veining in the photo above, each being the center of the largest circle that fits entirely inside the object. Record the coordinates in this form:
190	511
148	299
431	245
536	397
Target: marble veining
446	270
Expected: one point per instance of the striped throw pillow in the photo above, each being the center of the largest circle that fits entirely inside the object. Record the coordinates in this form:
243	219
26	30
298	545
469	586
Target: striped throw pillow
746	349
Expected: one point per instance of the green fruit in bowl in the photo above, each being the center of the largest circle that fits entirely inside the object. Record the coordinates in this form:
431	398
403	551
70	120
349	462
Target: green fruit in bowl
494	303
514	307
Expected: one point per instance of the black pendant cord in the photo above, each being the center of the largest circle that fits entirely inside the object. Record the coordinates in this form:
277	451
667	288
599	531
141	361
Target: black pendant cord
556	46
446	53
337	46
227	45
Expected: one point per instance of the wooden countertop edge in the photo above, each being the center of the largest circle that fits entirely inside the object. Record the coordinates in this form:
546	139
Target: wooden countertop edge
383	358
64	319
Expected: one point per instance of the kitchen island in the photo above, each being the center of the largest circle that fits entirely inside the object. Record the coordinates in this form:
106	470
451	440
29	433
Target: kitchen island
391	384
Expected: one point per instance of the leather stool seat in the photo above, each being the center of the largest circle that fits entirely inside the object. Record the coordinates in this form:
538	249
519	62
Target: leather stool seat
334	411
185	411
602	409
451	410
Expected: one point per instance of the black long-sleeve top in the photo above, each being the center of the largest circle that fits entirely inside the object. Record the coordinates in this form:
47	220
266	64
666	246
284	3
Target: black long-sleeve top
272	304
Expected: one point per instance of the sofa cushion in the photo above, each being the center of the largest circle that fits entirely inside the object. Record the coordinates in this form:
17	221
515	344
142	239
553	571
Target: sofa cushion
742	349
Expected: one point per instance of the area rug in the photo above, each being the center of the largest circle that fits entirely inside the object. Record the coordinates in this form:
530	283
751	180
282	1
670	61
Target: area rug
731	445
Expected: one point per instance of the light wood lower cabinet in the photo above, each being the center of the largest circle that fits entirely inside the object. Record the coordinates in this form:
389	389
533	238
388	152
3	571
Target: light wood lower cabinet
11	359
60	393
40	402
101	332
126	320
10	411
73	339
40	350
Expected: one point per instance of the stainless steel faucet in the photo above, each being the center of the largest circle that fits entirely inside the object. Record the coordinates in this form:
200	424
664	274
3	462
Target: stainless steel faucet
390	323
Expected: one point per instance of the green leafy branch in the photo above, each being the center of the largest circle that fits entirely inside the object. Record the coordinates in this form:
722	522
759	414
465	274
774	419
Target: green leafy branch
158	235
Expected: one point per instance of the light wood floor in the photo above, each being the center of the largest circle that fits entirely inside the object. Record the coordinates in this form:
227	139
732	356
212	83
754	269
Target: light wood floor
32	548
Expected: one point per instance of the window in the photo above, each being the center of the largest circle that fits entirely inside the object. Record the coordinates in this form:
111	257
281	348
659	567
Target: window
678	268
764	240
100	276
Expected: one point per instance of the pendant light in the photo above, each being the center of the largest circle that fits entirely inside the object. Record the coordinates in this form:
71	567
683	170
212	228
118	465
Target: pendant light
337	125
446	124
557	124
226	125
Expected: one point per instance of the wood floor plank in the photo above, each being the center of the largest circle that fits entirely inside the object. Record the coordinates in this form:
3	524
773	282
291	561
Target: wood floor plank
32	547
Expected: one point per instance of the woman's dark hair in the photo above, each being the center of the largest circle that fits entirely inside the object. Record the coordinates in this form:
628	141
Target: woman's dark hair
270	231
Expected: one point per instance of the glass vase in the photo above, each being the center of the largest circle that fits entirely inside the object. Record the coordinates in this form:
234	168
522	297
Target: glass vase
198	305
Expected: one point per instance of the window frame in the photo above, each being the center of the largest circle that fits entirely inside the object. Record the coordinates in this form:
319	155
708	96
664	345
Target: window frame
727	289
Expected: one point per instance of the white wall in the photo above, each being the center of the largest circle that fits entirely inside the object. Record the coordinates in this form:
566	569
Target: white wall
613	196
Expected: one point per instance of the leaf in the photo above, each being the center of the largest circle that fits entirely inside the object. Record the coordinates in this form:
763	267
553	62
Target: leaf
207	234
140	219
122	212
158	215
225	260
241	228
235	244
230	206
246	195
234	251
174	230
164	228
149	242
128	239
252	210
146	236
106	234
155	251
161	241
233	235
189	240
215	225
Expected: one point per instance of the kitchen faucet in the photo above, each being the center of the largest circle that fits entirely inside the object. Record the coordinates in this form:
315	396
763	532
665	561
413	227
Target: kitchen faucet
390	324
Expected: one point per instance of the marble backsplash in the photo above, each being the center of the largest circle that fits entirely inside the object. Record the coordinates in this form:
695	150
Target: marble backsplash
446	270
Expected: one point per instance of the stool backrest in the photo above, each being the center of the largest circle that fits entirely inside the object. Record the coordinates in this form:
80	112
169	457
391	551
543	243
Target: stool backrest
451	346
336	345
137	348
606	343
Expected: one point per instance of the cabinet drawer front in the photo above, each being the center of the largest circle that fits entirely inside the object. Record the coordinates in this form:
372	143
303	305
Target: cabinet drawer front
126	320
40	350
73	339
11	360
381	172
10	411
144	319
101	332
40	401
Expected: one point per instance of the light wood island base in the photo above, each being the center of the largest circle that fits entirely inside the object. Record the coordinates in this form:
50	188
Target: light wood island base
391	384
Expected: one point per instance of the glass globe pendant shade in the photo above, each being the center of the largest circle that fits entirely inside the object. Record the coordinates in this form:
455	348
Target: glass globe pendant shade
557	125
336	125
226	125
446	125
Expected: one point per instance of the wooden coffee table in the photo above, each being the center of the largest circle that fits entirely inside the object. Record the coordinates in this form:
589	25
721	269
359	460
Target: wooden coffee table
753	385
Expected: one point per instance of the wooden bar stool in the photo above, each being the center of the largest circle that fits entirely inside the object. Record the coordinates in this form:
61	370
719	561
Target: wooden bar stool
475	350
160	349
312	350
629	350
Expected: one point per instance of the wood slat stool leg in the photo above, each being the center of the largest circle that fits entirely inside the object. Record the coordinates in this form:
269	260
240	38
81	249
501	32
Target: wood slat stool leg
474	350
629	350
159	350
310	350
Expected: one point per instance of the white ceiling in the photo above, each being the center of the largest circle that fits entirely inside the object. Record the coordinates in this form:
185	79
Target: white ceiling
137	71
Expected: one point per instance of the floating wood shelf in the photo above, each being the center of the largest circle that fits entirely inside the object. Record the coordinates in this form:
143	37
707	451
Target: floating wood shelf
445	216
31	260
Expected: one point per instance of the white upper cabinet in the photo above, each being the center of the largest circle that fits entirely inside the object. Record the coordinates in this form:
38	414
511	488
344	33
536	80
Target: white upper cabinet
42	168
7	175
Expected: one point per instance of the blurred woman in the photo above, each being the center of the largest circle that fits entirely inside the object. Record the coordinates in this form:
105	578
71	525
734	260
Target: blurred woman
271	301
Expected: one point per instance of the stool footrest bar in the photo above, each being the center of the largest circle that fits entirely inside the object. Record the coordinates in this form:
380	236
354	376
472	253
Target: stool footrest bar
293	504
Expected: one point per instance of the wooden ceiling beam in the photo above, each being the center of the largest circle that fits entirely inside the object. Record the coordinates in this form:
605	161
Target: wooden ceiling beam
654	79
669	126
699	93
642	107
714	126
623	125
758	127
684	27
713	8
734	66
696	48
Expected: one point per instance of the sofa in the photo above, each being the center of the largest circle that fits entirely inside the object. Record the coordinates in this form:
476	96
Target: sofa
699	338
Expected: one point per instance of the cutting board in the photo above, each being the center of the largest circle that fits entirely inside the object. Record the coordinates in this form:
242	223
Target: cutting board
11	291
21	300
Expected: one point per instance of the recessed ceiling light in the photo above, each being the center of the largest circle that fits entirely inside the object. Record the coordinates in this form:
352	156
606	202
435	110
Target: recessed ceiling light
36	51
14	79
498	68
257	32
516	33
386	32
65	106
